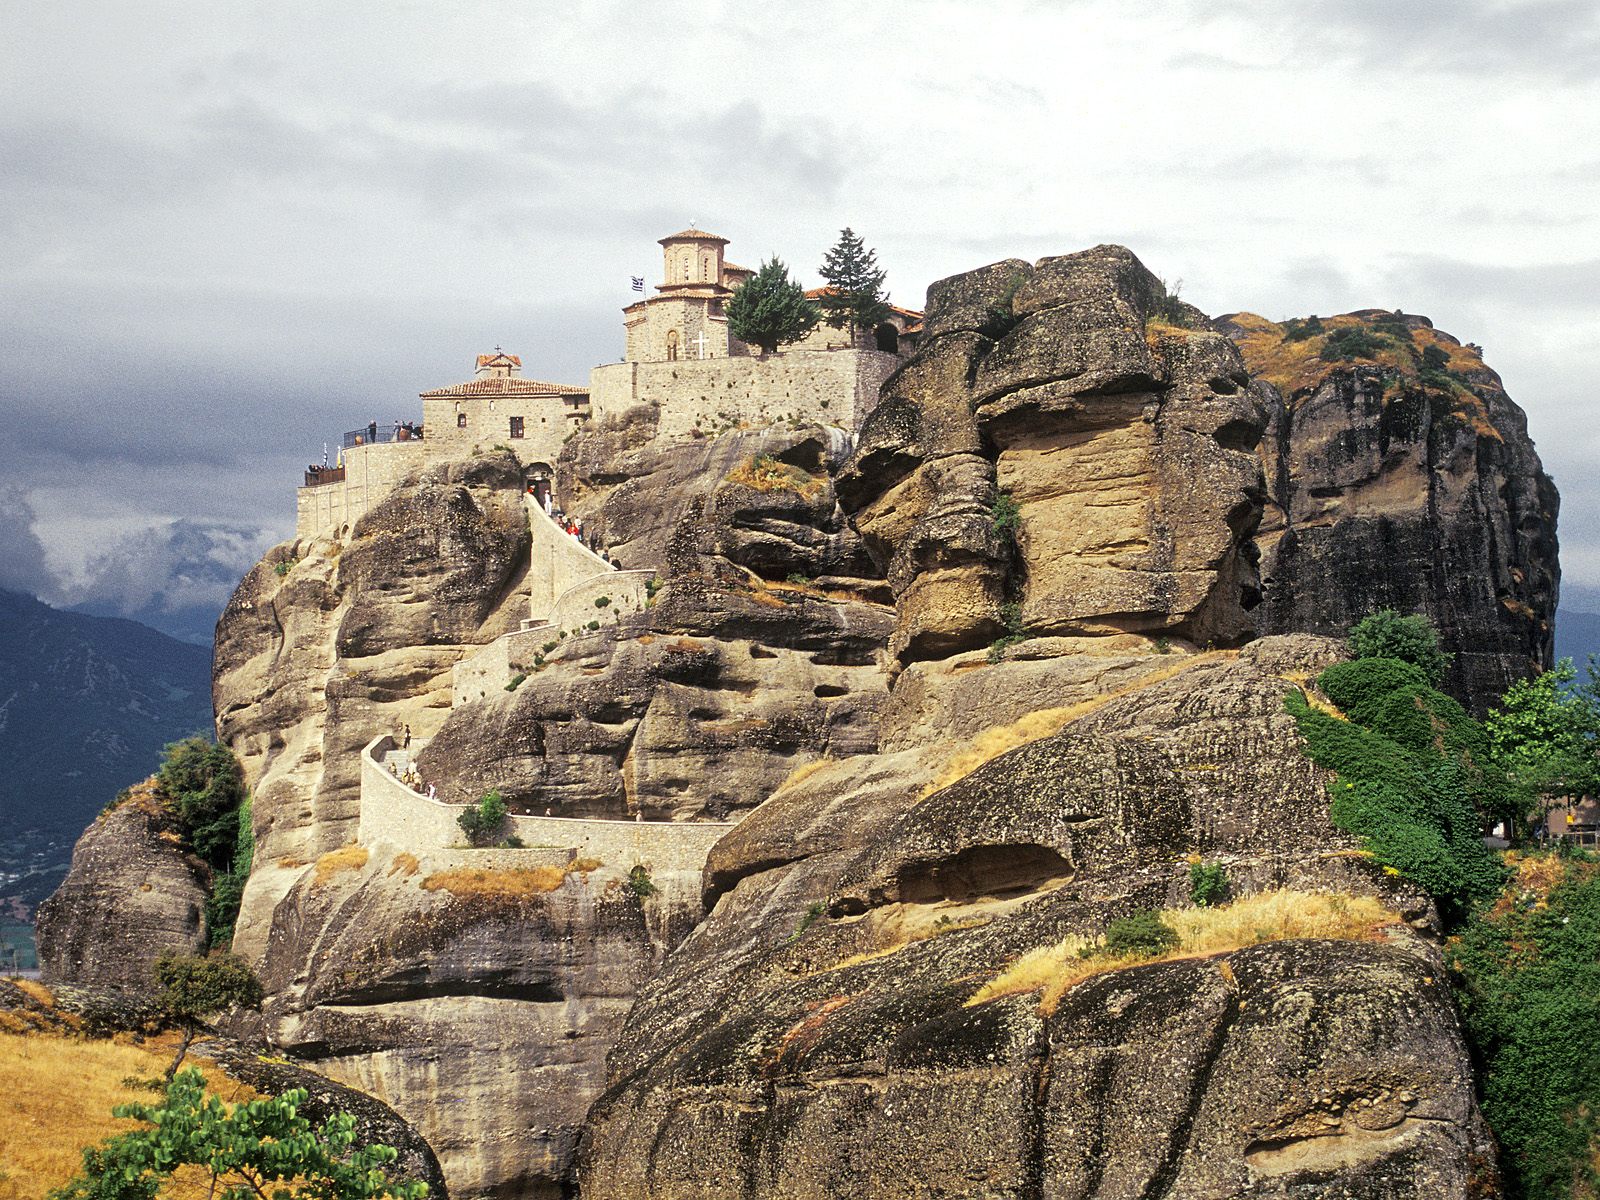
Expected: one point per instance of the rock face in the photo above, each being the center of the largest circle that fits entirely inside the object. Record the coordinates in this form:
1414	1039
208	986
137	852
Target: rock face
1398	487
327	643
1123	446
474	994
816	1036
132	892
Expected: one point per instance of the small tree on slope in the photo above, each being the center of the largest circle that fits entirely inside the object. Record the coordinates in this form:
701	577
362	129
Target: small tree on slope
770	310
855	296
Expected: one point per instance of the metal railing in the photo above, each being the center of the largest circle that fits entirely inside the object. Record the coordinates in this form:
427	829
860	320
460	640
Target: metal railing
375	434
324	475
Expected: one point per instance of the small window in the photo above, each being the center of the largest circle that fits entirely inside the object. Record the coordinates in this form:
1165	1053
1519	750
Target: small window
461	420
516	427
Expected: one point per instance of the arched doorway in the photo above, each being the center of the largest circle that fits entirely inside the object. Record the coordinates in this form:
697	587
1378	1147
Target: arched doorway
540	483
672	345
887	338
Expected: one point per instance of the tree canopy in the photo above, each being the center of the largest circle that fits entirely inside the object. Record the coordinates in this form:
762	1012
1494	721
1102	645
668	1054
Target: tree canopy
770	309
259	1150
854	297
1412	639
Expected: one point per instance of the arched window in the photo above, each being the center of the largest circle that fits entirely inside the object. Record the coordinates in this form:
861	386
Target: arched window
672	345
887	338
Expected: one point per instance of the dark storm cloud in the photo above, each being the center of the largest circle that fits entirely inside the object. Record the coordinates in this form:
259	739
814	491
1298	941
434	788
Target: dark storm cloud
22	561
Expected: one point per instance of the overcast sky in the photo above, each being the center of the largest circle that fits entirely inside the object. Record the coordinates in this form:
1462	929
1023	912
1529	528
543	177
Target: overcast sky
229	231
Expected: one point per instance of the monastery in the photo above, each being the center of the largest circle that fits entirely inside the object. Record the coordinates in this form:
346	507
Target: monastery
679	357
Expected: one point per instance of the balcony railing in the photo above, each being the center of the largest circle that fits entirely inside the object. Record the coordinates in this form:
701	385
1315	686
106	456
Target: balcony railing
324	475
375	434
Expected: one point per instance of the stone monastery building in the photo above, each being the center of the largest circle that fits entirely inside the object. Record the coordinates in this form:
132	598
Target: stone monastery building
679	358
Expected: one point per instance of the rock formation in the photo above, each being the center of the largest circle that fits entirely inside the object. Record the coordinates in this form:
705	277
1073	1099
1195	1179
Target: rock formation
132	892
977	683
1125	448
1398	487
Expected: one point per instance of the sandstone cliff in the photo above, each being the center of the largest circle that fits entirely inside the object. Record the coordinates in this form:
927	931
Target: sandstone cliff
1402	478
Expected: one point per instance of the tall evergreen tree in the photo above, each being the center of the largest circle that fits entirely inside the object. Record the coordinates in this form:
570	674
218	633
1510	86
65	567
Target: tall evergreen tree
770	309
855	297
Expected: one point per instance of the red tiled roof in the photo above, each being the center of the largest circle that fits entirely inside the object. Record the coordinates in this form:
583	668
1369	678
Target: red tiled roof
733	266
502	386
692	235
910	314
499	356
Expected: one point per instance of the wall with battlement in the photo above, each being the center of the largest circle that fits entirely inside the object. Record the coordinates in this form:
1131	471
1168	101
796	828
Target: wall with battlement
391	812
838	387
370	474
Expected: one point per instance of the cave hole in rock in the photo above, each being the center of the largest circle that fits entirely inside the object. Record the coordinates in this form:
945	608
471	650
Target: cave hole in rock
977	872
825	691
760	652
1240	435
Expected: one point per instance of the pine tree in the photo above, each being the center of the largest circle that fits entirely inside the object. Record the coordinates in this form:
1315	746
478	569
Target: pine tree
855	296
770	309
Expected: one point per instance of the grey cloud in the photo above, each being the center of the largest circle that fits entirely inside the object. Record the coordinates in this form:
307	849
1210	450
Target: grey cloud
22	561
1546	286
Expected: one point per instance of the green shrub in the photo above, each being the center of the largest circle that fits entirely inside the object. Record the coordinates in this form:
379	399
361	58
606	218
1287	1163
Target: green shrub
1527	979
227	887
811	916
1412	639
1302	330
483	820
1435	358
203	786
1352	342
1016	631
639	882
1208	884
195	986
254	1149
1413	779
549	646
1006	515
602	601
592	626
1143	933
516	680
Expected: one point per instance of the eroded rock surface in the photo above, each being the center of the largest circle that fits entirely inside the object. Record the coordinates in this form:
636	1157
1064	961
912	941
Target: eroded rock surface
1396	488
1125	447
475	993
132	891
827	1046
328	643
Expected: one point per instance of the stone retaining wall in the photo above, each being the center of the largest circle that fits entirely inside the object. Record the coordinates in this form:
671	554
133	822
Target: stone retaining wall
391	812
838	387
370	474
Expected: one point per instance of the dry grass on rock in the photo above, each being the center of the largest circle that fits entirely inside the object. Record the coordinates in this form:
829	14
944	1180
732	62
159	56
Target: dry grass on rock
1264	917
56	1097
346	858
484	881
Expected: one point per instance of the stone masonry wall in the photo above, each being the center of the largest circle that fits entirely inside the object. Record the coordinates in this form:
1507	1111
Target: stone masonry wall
370	474
547	422
838	387
391	812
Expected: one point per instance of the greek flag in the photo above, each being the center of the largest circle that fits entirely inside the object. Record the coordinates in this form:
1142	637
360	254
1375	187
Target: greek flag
638	282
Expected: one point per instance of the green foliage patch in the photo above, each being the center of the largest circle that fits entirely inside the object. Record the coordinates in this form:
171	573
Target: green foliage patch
483	820
1387	634
1412	777
1527	978
1208	884
252	1151
770	309
1143	933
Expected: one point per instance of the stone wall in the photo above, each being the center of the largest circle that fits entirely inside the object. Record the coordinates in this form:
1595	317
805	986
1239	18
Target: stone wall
370	474
391	812
838	387
547	421
559	561
499	662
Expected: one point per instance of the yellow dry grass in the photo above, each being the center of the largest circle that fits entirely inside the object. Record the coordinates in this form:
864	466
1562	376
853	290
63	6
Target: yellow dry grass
405	864
582	866
804	772
483	881
764	473
346	858
56	1097
1044	722
1264	917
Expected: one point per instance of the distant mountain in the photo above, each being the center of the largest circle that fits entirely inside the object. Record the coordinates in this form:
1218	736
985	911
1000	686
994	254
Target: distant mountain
1577	635
86	703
